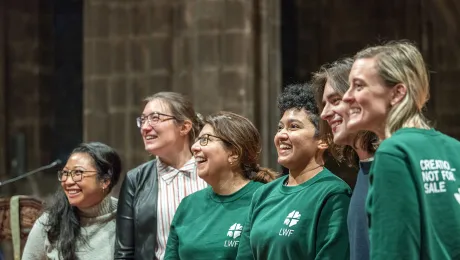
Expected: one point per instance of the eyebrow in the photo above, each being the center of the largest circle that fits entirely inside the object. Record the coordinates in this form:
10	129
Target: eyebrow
75	166
357	79
154	112
332	95
291	120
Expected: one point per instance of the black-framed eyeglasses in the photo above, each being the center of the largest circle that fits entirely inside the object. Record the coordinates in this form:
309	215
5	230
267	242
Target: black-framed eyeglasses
76	175
153	119
204	139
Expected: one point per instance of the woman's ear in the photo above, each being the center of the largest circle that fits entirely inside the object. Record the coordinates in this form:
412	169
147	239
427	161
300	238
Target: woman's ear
232	156
186	127
105	183
322	145
399	92
233	159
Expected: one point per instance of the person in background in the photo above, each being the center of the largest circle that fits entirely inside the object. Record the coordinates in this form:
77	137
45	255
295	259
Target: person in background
413	202
208	223
80	223
302	215
330	83
152	191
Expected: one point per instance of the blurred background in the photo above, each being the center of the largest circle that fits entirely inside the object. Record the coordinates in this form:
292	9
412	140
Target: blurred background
73	71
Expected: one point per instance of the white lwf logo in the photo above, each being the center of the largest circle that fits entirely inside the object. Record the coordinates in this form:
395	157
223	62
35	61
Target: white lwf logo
291	220
234	232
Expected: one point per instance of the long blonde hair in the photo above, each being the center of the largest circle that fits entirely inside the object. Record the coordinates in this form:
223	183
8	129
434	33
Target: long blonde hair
400	62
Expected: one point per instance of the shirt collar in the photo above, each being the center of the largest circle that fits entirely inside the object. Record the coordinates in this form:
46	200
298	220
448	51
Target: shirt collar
169	173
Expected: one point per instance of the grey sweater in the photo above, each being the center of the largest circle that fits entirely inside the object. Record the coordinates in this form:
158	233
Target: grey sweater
97	228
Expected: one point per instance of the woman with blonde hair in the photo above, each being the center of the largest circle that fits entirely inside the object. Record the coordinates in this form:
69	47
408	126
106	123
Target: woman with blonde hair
413	201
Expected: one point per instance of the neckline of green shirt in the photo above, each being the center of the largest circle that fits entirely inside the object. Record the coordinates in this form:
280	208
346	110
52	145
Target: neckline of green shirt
292	189
232	197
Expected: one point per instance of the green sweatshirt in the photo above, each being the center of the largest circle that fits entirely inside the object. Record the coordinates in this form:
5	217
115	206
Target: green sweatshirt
209	226
308	221
414	196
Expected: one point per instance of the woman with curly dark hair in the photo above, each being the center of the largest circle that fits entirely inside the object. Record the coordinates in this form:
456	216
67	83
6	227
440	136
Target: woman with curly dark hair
302	215
80	223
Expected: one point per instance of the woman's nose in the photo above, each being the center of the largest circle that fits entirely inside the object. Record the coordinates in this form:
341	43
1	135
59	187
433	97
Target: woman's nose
348	96
326	113
196	147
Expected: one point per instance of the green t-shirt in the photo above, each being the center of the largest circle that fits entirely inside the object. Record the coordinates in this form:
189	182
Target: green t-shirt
209	226
308	221
414	196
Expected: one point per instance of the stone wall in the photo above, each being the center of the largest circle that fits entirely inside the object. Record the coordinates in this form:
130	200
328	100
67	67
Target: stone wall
26	106
223	54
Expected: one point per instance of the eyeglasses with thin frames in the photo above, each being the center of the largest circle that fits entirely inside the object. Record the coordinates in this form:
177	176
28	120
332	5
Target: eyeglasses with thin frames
153	119
204	139
76	175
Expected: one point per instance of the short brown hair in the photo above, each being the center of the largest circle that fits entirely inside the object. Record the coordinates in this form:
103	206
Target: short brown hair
244	138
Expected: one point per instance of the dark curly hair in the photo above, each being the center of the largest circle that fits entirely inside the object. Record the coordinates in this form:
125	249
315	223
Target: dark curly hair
300	96
63	219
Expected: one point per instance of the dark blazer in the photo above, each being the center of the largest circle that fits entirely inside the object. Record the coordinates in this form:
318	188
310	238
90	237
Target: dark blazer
136	235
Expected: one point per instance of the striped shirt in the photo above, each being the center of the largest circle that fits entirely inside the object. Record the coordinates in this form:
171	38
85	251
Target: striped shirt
173	186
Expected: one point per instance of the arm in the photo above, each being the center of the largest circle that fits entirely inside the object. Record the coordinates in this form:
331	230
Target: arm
244	247
332	231
35	245
392	206
124	240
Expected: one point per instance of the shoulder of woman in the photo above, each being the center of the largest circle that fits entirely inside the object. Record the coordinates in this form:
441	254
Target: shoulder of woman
41	223
264	189
142	169
43	219
114	200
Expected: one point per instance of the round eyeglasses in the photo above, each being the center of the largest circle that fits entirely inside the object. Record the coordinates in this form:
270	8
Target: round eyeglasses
76	175
204	139
153	119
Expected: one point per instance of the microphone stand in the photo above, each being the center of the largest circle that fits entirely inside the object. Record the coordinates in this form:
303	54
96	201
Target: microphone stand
46	167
